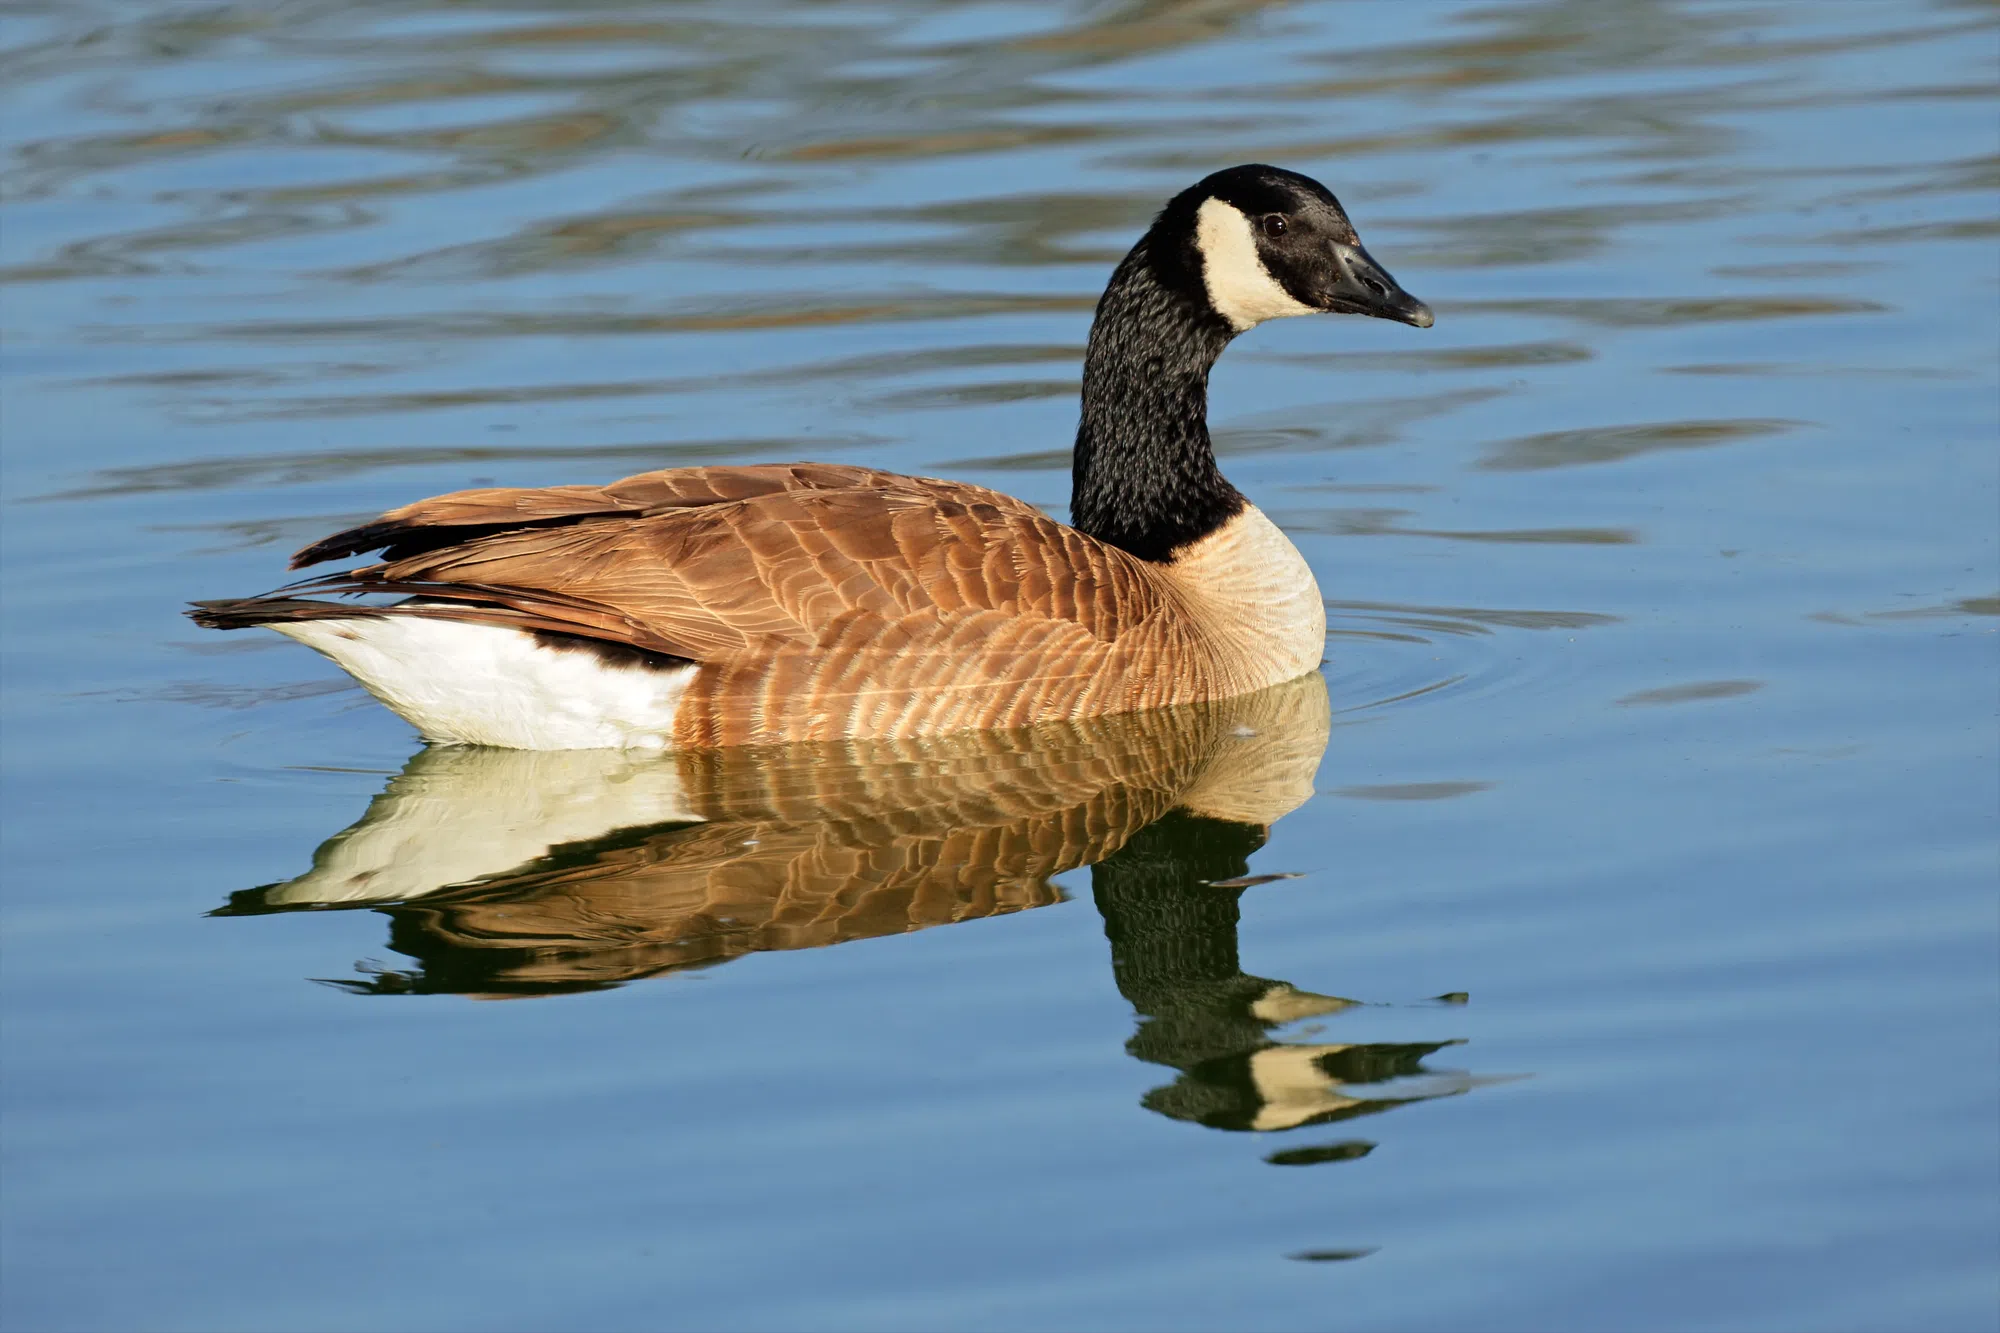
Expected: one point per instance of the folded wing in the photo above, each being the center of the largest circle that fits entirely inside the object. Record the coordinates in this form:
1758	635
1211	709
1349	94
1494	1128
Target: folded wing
844	601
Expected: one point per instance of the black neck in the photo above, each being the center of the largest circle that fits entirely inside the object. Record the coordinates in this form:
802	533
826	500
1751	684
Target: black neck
1144	474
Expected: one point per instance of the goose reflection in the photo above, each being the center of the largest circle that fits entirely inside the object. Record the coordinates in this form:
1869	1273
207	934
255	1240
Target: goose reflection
509	873
1169	902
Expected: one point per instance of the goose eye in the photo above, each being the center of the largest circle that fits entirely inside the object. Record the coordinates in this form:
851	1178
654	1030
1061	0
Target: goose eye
1274	225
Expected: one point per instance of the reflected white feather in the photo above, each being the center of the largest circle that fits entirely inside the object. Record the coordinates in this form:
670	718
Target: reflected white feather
1292	1087
1286	1003
463	814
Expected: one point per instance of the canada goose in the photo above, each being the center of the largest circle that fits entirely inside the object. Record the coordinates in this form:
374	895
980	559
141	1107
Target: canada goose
748	605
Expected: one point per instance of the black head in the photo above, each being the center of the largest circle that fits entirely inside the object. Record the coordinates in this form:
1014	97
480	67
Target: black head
1258	242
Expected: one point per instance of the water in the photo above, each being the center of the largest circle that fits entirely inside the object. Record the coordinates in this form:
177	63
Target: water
1653	840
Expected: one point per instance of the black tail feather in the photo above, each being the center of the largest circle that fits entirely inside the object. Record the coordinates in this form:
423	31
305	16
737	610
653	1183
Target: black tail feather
246	612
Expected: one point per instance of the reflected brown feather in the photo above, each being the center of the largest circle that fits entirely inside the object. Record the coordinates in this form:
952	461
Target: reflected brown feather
812	845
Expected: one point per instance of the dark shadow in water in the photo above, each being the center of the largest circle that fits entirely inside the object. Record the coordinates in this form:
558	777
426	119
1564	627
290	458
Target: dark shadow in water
511	874
1171	916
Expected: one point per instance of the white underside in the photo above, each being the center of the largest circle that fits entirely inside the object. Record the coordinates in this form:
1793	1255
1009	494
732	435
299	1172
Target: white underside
489	685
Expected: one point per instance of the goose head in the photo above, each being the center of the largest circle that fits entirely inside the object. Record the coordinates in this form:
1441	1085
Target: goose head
1258	242
1234	249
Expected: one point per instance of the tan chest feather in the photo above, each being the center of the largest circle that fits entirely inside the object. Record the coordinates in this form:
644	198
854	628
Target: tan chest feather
1254	601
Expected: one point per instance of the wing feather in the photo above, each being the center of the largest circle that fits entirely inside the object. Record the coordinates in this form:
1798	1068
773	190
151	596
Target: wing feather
820	600
444	520
737	557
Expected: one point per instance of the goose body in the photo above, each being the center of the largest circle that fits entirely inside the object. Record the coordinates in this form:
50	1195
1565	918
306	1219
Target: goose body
754	605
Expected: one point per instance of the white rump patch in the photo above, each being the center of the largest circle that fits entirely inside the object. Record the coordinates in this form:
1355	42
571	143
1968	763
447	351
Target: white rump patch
490	685
1240	288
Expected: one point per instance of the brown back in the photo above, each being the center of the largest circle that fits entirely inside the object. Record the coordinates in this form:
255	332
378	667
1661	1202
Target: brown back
821	601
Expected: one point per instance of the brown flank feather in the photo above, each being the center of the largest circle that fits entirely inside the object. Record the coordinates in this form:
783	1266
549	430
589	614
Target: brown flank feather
820	601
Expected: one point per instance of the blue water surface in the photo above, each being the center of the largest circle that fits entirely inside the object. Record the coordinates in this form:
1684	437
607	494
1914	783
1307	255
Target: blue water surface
1654	833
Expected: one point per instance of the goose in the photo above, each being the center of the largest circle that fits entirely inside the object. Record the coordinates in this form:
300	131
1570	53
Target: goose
772	604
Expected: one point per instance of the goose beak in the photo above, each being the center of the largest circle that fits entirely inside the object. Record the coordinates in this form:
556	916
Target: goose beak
1363	287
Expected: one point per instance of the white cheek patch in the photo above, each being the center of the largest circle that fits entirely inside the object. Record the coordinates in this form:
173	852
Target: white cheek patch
1240	288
